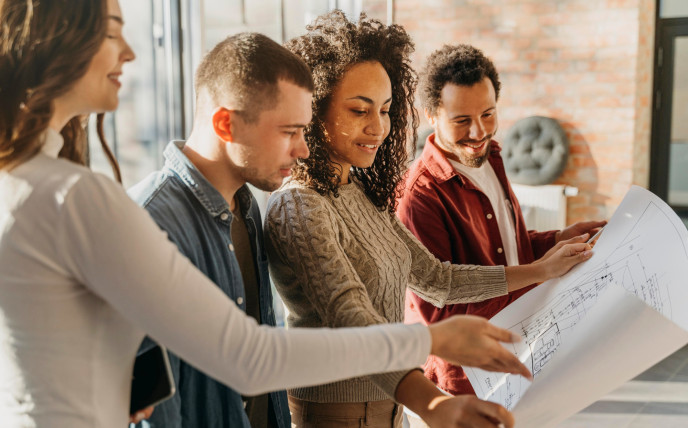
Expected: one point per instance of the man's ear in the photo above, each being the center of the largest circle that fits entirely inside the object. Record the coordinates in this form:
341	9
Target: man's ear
432	119
222	123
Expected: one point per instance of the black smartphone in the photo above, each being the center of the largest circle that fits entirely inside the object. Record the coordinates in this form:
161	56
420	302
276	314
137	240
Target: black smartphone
152	382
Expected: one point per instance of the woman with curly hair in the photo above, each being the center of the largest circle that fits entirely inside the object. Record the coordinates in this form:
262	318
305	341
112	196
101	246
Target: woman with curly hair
338	254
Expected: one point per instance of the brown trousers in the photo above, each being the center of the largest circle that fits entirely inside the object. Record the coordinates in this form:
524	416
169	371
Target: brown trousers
371	414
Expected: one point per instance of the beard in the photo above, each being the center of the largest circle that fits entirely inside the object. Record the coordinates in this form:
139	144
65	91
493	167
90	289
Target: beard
458	150
266	184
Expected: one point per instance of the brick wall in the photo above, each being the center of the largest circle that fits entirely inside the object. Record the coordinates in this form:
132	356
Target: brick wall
586	63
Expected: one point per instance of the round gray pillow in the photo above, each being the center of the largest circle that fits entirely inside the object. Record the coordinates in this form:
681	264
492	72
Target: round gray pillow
535	151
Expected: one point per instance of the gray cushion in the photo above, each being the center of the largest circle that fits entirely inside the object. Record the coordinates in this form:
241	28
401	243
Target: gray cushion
535	151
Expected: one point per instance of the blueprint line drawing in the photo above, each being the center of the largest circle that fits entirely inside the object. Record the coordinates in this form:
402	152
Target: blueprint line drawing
643	249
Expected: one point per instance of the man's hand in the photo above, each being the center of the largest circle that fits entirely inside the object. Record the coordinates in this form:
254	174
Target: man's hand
576	229
467	411
468	340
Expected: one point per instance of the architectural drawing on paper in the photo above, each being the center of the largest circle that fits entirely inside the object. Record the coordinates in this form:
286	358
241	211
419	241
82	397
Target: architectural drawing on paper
635	262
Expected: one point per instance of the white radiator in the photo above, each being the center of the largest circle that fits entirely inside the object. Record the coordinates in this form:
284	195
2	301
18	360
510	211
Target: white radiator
544	207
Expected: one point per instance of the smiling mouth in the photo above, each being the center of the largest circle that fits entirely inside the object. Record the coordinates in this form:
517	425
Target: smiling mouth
474	146
114	78
369	146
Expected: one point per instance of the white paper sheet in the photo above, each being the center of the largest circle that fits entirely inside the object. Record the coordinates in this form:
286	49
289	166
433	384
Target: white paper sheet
643	249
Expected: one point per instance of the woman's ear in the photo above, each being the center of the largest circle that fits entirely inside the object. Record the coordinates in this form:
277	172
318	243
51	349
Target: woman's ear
222	123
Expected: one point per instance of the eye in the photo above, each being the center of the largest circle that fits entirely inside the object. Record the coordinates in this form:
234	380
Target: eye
384	112
461	122
358	112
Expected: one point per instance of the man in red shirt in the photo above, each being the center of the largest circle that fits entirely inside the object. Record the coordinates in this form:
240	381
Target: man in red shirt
458	200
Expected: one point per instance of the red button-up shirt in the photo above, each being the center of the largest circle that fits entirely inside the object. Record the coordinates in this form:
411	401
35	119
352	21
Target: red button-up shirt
456	222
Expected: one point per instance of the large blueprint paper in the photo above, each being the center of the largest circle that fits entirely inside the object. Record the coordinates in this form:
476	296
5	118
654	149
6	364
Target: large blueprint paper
643	249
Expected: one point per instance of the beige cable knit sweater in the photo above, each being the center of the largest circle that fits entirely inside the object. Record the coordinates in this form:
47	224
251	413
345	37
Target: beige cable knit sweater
341	262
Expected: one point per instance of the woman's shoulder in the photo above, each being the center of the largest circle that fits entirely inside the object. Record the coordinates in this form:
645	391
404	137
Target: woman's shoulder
294	200
64	179
293	190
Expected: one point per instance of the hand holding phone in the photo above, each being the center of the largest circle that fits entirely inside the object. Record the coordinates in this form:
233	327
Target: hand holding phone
152	381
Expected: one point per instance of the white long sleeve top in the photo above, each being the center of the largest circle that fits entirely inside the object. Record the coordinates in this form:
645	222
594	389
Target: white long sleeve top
84	272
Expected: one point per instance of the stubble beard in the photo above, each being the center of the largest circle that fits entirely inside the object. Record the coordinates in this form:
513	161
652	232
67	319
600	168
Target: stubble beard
457	149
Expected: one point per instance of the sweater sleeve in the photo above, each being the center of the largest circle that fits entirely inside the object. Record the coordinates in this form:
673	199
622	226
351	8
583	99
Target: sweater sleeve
304	249
442	283
113	247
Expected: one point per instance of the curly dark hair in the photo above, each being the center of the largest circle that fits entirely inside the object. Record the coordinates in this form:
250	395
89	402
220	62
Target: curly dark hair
331	46
462	65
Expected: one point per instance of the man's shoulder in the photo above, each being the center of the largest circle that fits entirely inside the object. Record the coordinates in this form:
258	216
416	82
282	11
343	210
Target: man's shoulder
419	179
162	194
150	188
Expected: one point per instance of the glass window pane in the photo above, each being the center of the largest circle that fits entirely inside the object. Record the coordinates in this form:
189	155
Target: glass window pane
678	157
673	9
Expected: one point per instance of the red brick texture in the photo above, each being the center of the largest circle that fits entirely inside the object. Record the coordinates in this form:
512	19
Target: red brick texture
586	63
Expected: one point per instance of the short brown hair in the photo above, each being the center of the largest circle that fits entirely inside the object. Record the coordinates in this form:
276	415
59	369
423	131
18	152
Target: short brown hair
246	68
462	65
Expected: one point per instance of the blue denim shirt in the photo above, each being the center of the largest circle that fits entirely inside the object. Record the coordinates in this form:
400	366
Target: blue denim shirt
197	219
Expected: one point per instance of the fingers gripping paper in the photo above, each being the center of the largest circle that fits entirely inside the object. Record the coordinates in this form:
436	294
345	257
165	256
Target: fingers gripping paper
599	325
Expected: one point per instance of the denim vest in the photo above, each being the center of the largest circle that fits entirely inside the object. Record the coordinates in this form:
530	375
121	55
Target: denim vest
197	219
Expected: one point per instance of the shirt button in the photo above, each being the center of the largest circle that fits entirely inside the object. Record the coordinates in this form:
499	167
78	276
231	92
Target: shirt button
500	251
231	247
240	300
224	216
489	216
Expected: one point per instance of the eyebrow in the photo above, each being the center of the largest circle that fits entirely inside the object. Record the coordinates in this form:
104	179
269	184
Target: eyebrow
368	100
116	18
296	125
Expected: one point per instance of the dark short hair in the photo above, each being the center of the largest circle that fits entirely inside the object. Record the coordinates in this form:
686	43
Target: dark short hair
331	46
462	65
246	68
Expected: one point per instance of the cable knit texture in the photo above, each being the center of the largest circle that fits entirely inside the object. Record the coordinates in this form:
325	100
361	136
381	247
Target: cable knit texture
342	262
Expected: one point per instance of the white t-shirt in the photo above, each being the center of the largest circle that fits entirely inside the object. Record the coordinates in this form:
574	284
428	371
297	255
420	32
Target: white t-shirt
84	272
485	179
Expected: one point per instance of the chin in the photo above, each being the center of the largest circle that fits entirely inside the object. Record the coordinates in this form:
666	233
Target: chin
365	164
108	106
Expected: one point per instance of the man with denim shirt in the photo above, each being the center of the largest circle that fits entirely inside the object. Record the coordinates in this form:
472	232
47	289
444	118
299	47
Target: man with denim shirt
253	101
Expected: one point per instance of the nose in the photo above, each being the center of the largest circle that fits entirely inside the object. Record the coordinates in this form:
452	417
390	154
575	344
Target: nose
301	148
376	125
127	52
477	130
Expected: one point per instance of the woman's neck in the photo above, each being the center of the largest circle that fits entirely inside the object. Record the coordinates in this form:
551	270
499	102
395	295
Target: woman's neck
344	178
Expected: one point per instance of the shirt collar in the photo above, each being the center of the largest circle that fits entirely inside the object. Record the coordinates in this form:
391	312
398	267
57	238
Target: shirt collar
208	196
52	142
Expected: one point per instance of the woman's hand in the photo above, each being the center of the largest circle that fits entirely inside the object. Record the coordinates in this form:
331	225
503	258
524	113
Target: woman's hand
564	255
557	261
141	415
467	411
472	341
575	240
